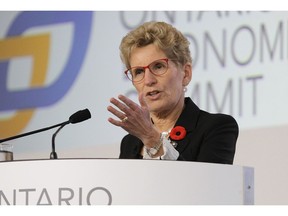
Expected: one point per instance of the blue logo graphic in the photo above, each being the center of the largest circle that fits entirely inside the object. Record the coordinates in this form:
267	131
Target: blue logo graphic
46	95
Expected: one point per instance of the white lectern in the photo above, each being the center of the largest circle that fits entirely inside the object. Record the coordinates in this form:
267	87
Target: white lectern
118	181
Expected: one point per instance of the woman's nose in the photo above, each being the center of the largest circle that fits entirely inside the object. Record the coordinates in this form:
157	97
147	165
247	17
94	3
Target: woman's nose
149	78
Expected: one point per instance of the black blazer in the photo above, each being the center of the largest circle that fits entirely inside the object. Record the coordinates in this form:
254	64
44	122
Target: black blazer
210	137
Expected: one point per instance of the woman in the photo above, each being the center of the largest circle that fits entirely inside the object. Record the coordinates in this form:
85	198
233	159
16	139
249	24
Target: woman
166	125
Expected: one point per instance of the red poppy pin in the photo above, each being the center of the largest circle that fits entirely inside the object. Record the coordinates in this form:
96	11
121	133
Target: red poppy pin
177	133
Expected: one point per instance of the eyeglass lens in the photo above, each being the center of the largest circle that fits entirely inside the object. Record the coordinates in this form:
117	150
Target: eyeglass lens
157	68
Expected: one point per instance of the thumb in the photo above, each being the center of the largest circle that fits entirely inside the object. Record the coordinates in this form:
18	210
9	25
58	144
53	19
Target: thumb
142	101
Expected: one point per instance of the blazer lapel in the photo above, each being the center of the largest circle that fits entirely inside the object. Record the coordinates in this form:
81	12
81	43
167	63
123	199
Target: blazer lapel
188	119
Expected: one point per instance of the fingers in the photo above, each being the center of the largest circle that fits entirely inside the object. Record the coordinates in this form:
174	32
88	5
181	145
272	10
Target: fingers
125	104
116	112
115	122
129	103
126	108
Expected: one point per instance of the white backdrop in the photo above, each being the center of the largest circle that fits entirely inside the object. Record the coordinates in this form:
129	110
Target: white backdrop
240	68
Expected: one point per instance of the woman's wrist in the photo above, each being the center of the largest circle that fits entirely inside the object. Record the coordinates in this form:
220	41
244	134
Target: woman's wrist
154	150
165	152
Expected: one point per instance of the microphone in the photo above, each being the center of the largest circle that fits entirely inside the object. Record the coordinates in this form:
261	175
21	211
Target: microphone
80	116
77	117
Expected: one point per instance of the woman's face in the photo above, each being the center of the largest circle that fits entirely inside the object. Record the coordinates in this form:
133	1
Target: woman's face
164	93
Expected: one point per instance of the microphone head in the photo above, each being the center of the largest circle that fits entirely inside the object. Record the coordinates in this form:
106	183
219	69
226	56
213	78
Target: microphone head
80	116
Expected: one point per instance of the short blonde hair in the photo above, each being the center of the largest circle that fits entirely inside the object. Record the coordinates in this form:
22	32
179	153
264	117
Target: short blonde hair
166	37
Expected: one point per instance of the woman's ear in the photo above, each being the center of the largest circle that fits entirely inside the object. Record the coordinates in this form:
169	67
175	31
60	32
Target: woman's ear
187	69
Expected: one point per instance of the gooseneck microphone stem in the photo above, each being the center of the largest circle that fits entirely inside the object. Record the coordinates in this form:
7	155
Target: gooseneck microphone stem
53	154
31	132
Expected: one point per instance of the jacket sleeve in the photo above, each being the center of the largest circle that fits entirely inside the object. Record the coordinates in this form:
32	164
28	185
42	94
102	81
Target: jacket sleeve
219	140
130	148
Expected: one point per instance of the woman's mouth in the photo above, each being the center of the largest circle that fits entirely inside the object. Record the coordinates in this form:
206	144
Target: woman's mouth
153	94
